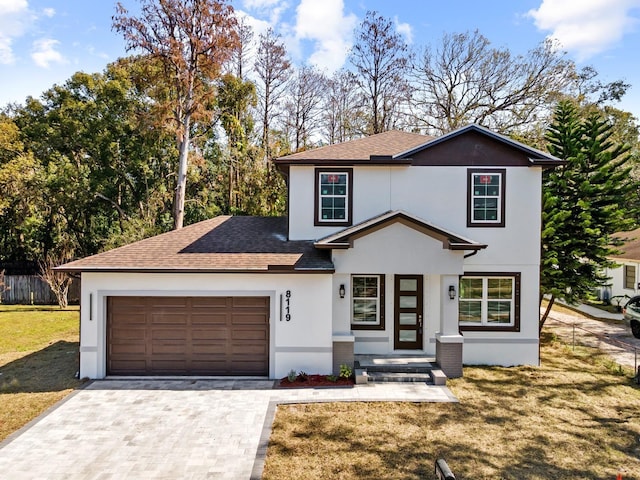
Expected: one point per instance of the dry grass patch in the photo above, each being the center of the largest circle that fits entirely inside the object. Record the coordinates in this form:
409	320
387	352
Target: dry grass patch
38	361
576	417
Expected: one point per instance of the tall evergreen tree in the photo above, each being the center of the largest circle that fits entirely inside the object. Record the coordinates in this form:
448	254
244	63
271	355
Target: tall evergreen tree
583	203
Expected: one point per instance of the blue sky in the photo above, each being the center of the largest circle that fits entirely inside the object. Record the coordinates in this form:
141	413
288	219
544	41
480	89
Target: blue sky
43	42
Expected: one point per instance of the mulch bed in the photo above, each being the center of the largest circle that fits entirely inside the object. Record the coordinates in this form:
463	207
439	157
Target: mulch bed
313	381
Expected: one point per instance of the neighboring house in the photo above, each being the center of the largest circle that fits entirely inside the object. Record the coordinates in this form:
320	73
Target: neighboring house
394	243
624	280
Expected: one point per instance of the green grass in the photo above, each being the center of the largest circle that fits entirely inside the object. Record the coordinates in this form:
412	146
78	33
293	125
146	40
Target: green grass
25	328
575	417
38	361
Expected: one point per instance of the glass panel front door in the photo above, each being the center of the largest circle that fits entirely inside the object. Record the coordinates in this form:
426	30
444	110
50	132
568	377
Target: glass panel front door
408	312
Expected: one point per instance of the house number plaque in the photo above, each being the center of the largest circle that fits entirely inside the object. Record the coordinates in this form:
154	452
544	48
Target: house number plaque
285	306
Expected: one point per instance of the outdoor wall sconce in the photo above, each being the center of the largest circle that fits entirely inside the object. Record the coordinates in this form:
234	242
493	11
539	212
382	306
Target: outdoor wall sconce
342	291
452	292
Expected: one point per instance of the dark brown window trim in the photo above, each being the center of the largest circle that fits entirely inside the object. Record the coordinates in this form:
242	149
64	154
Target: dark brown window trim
317	221
516	298
629	277
381	303
503	183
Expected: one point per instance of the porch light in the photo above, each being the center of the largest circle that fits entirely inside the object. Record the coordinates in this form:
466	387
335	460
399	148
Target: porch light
452	292
342	291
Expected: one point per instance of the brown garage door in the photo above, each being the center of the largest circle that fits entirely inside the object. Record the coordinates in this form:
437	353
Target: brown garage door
188	336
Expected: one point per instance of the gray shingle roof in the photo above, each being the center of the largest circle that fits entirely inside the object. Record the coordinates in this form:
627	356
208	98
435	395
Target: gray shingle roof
221	244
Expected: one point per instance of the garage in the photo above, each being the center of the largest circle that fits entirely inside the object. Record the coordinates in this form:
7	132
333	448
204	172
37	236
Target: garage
187	335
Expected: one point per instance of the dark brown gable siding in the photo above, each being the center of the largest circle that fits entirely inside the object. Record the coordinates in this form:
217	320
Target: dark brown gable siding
471	149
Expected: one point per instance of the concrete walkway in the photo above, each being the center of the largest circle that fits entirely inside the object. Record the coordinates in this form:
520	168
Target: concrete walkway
592	312
170	429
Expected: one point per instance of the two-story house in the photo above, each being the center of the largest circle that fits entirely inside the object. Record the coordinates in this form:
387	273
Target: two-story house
394	243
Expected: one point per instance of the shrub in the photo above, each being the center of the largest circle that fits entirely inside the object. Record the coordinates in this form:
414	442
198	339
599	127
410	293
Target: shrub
346	371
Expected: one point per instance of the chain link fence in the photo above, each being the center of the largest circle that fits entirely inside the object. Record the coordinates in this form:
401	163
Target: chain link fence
609	339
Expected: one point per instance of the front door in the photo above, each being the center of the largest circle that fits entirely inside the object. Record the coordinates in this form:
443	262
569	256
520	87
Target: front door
408	312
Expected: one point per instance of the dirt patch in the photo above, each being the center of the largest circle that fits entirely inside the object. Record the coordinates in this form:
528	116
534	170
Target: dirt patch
313	381
610	336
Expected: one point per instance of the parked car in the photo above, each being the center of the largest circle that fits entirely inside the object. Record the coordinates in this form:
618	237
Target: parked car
631	315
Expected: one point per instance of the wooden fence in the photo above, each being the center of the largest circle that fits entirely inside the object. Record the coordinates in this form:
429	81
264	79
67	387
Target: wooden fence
32	290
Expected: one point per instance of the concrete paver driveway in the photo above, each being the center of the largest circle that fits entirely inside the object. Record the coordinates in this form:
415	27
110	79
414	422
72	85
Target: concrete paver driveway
164	429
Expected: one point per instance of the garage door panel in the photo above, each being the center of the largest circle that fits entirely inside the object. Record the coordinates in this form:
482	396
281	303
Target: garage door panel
124	349
167	302
159	349
169	334
210	302
129	334
240	351
131	318
188	336
170	318
258	318
238	334
129	366
198	318
246	302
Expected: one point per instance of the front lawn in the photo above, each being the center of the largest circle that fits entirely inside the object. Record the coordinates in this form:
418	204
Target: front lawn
38	361
575	417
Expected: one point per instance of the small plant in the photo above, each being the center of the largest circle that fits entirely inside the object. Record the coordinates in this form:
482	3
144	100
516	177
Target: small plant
291	376
332	378
346	371
302	376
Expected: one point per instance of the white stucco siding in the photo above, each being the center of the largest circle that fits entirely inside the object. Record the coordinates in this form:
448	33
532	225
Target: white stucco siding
616	280
303	343
398	249
509	348
438	195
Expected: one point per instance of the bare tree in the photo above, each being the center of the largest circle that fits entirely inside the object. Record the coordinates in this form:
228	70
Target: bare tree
192	40
465	80
59	282
343	114
273	69
302	108
242	55
381	58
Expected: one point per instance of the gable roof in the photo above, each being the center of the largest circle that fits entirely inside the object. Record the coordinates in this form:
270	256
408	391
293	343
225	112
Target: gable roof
345	238
366	149
397	148
630	249
221	244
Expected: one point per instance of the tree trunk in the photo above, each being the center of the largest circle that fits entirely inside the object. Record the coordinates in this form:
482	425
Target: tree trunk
178	212
546	313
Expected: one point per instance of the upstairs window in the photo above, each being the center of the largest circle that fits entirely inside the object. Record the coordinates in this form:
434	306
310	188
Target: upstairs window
333	197
486	198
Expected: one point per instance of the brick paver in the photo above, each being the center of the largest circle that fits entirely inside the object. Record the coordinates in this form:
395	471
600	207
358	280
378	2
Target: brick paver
170	429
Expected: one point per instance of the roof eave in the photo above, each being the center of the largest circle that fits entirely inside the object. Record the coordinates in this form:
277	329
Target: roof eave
268	269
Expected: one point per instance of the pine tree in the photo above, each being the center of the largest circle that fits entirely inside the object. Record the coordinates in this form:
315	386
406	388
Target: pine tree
583	203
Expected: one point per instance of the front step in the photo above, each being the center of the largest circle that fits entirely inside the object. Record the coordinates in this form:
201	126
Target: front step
399	377
398	368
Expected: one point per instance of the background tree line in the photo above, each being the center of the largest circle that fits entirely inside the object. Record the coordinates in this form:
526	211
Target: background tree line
183	129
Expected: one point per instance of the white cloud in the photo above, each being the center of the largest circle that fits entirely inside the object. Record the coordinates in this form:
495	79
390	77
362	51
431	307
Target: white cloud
586	27
259	4
12	6
273	9
404	29
325	24
44	52
13	17
49	12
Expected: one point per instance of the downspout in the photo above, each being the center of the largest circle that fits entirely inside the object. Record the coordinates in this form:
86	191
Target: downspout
471	254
